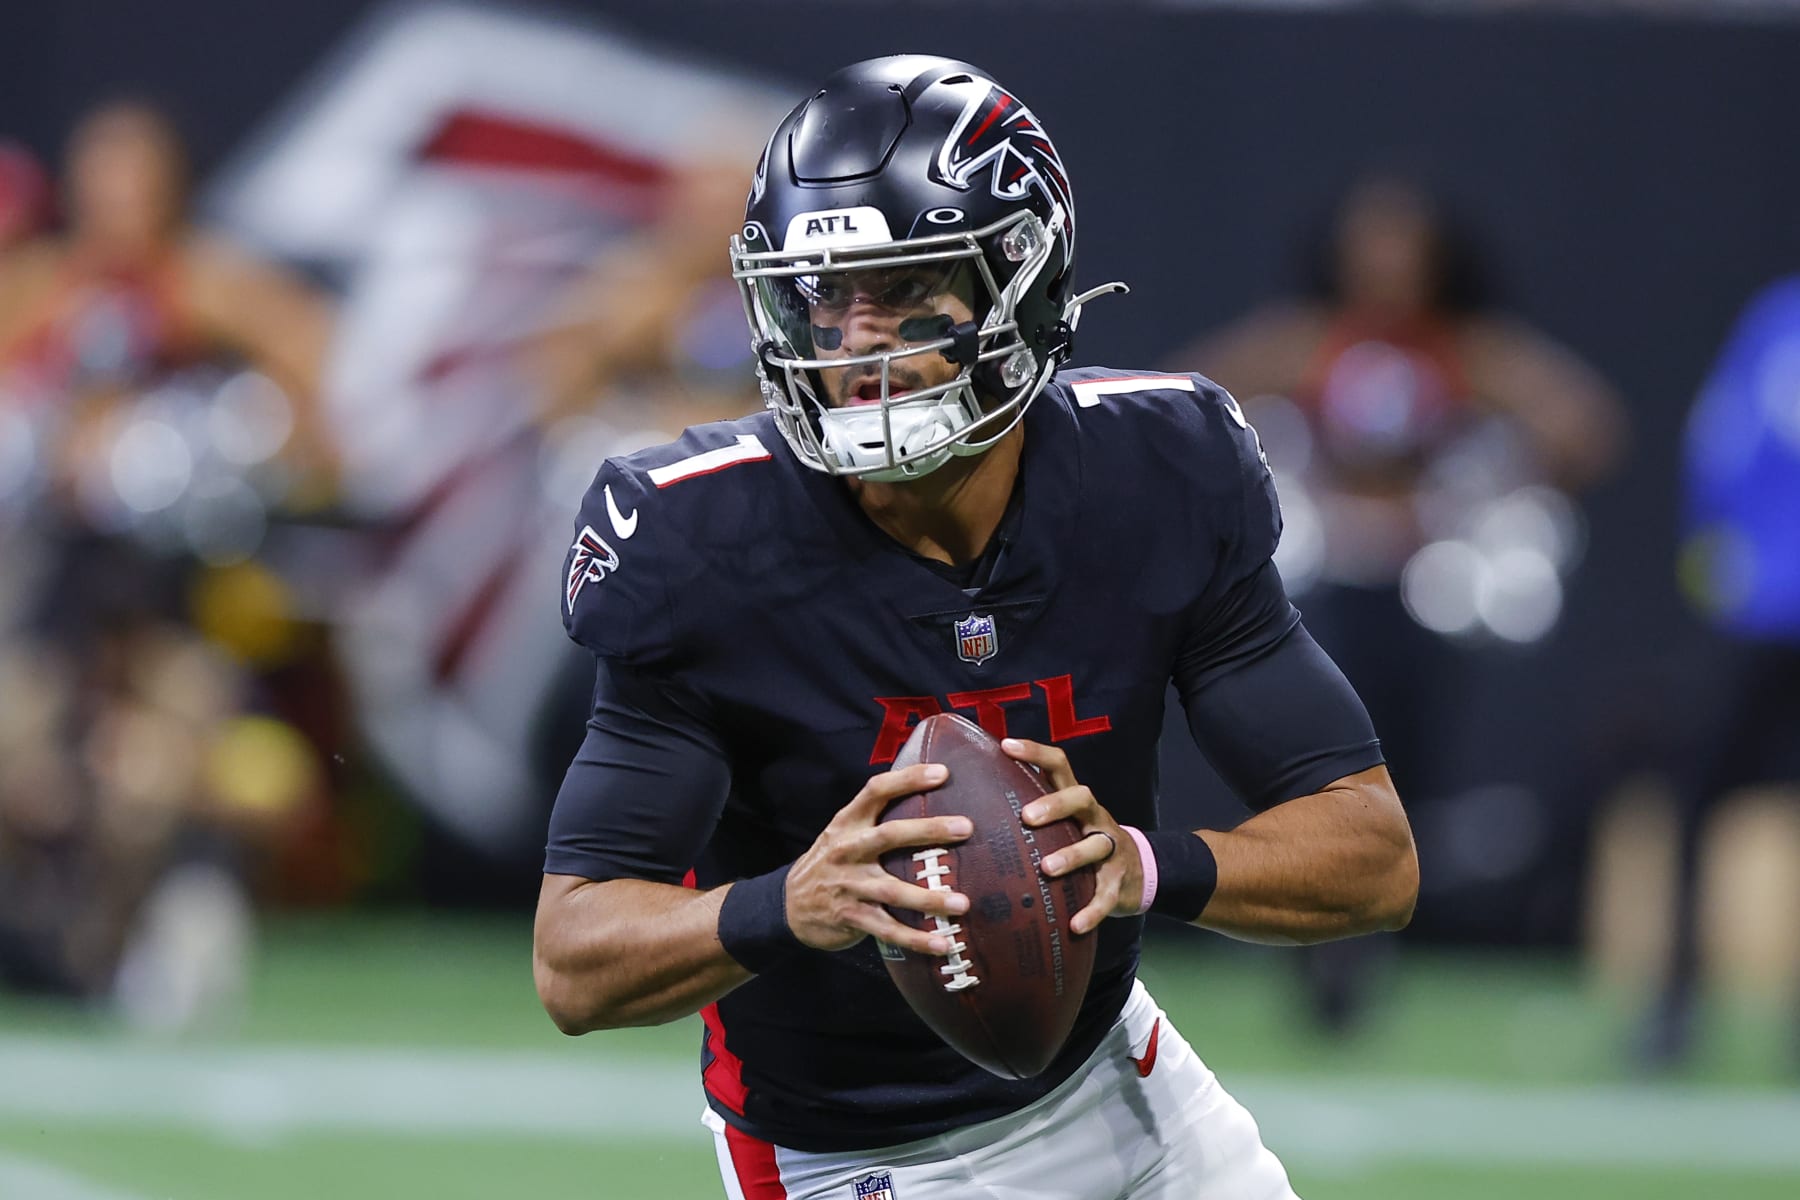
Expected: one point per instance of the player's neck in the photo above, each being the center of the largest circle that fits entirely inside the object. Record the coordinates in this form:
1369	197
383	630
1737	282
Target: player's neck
950	514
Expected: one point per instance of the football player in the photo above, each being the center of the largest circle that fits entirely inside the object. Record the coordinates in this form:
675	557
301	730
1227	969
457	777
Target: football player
933	515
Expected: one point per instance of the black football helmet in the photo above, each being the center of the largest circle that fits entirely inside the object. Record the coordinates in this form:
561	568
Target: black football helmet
919	185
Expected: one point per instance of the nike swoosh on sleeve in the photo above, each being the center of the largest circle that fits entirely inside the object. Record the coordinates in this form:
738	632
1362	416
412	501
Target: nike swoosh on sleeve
623	524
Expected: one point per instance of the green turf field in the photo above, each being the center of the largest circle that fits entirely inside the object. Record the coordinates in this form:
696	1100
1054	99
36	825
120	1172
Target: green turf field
403	1057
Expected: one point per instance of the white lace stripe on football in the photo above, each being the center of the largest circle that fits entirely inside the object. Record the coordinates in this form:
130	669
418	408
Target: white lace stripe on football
959	970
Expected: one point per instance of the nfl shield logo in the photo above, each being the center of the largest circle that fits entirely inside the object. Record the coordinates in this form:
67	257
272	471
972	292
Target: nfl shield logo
879	1186
976	640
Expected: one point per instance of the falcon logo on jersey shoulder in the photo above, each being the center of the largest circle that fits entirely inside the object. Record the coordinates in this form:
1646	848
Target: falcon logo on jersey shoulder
996	132
590	559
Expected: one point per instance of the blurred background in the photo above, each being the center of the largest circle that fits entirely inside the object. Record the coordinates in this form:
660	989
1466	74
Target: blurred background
315	321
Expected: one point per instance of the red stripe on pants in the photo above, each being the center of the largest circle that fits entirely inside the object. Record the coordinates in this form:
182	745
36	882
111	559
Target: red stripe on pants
754	1161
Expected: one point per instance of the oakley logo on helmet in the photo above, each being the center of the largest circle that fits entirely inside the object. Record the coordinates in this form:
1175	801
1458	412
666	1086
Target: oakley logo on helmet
996	132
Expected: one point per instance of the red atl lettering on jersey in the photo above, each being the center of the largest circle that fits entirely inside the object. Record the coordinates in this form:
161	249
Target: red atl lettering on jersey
1059	698
989	703
901	713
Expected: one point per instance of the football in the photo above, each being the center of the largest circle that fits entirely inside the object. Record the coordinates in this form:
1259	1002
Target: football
1007	994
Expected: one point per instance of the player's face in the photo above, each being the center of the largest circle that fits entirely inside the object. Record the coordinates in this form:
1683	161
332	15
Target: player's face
882	311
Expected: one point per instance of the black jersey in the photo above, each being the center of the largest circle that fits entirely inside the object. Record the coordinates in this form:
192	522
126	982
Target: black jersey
763	649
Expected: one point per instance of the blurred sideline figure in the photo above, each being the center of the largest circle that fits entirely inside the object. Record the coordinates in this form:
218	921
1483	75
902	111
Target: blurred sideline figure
651	335
24	194
617	341
156	393
1424	446
1741	565
130	292
511	205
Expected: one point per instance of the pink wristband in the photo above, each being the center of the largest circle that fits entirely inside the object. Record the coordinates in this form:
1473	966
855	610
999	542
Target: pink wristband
1147	857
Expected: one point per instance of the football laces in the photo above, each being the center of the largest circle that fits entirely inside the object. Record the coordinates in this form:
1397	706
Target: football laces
960	972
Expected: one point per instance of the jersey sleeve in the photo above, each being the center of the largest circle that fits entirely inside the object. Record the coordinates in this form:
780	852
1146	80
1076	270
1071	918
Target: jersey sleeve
643	794
1181	444
616	599
1267	706
1236	487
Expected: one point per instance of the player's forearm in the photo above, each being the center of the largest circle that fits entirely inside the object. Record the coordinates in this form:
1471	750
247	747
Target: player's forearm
1330	865
628	952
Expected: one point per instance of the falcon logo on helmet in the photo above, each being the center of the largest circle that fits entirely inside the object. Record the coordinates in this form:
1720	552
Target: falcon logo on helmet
998	132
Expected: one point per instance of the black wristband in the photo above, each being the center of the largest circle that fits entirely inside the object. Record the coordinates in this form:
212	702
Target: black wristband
753	924
1187	873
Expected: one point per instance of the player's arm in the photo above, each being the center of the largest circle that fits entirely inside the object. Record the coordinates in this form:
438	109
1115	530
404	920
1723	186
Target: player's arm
1329	853
616	952
619	941
1332	864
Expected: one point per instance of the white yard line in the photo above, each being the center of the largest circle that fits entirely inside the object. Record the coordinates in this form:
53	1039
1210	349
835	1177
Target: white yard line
1346	1122
254	1093
257	1094
27	1177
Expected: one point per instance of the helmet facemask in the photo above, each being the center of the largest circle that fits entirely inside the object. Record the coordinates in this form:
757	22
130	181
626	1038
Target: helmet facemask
880	428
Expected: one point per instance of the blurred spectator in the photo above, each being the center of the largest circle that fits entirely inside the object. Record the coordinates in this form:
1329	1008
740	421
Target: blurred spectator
651	335
24	194
129	294
631	330
139	458
1423	444
1741	566
133	786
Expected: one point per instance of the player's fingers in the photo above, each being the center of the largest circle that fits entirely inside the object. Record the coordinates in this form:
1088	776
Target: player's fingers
1076	801
1096	847
872	918
1105	901
887	787
872	843
1048	759
897	893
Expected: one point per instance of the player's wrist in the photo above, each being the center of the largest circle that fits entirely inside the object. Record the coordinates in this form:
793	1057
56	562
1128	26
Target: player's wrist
1147	867
753	924
1180	872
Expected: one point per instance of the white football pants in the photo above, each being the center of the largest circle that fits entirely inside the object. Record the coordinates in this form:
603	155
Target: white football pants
1142	1119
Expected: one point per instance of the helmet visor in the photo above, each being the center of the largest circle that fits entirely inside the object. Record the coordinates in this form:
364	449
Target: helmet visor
831	314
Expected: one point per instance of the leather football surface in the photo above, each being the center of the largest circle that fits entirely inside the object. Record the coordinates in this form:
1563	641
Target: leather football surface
1007	995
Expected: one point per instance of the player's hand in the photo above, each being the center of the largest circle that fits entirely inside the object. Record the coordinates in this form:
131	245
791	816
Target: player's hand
1119	879
837	889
